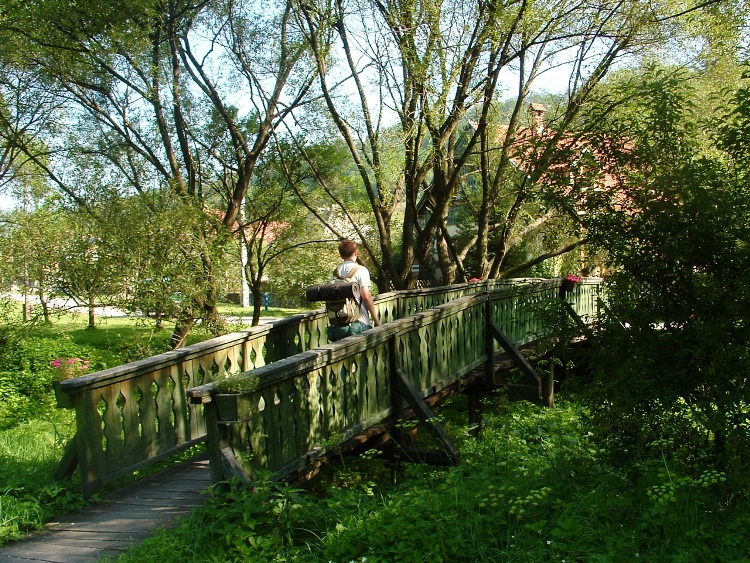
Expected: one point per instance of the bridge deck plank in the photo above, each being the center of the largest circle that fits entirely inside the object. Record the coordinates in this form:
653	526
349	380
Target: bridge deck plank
123	519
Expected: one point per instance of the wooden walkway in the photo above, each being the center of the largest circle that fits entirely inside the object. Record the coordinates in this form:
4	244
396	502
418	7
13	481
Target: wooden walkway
124	518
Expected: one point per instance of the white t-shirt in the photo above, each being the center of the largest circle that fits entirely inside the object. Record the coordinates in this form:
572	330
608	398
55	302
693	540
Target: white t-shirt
362	277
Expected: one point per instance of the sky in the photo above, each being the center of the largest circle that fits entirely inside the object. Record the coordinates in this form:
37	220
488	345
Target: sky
6	202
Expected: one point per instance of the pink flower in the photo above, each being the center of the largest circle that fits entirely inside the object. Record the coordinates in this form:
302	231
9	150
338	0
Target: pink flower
574	279
70	367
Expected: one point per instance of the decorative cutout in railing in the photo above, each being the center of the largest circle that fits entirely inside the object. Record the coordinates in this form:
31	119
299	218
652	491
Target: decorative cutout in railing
132	416
309	403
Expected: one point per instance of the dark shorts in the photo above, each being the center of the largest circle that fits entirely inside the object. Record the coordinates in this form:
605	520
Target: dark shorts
338	332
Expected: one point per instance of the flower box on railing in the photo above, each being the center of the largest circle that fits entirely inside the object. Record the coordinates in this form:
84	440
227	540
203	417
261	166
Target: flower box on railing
67	368
226	406
229	391
569	283
234	407
64	400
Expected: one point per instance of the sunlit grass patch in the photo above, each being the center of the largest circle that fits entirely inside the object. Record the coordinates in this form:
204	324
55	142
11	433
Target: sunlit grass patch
29	453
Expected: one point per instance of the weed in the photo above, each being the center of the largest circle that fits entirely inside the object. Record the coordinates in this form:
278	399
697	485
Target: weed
28	455
533	487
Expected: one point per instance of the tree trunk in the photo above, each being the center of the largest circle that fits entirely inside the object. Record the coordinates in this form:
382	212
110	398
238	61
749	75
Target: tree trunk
548	385
45	306
181	330
26	303
257	303
92	312
447	262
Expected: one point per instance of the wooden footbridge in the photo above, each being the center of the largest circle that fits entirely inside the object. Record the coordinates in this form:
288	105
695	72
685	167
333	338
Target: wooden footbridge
279	397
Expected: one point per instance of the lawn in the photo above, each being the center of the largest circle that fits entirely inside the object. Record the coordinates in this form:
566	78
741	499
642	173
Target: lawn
33	432
134	338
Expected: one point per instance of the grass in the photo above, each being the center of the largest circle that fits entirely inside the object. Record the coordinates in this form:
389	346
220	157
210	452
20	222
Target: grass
535	487
135	338
232	310
29	453
33	433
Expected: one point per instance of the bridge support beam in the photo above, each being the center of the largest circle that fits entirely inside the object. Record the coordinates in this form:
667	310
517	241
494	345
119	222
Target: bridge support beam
69	461
544	389
474	396
404	391
214	441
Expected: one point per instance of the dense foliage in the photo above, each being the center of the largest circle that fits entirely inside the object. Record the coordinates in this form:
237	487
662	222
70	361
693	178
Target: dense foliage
535	486
671	362
29	452
33	432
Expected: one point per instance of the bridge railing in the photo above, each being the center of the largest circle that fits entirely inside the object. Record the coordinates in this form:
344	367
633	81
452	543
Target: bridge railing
134	415
309	403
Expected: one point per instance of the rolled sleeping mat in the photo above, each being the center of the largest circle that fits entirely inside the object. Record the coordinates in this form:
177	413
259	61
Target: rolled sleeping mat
332	291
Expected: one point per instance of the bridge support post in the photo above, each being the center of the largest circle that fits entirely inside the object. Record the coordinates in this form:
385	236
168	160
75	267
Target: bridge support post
403	394
548	386
479	390
213	441
475	411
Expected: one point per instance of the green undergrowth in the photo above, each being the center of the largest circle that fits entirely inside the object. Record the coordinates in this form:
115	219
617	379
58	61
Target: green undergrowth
29	453
33	432
534	486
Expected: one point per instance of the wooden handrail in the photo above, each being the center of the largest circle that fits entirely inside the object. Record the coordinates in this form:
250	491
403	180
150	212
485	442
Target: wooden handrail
131	416
310	403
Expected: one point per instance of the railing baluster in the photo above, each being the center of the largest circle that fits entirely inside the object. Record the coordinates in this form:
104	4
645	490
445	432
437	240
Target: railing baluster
138	430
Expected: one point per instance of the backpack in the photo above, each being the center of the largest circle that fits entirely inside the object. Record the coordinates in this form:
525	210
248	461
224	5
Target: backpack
344	311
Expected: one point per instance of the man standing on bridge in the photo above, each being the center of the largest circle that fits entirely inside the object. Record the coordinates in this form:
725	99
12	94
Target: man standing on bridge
348	253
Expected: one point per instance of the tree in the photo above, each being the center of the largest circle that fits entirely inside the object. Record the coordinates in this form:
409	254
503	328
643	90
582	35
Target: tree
148	81
29	112
403	54
86	268
30	239
161	243
437	68
673	349
275	228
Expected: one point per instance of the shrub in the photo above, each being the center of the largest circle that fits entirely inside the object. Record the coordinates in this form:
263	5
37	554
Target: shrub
534	486
26	375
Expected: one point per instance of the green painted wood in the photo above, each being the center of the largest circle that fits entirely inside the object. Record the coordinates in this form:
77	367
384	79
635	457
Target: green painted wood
112	420
132	443
436	343
512	350
89	436
415	400
147	416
